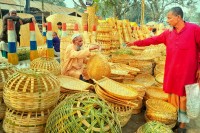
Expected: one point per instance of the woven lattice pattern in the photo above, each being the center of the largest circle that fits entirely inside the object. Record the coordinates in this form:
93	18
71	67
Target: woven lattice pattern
31	90
167	114
83	112
25	122
46	63
6	70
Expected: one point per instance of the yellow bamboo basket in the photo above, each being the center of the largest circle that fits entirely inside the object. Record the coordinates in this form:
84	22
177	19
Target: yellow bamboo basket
145	67
155	93
25	122
167	114
145	79
46	63
160	78
159	69
6	69
31	90
124	113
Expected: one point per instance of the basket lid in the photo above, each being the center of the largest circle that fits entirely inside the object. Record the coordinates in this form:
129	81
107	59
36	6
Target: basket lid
117	89
71	83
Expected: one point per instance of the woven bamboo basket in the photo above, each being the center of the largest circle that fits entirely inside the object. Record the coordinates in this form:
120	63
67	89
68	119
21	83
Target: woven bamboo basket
155	93
160	78
167	114
144	66
25	32
145	79
31	90
154	127
83	112
25	122
6	70
46	63
159	69
137	110
2	109
124	113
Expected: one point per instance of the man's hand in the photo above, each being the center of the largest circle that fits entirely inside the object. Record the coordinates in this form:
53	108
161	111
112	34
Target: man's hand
198	76
94	47
129	44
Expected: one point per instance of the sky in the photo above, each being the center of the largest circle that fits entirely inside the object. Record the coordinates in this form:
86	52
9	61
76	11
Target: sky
70	3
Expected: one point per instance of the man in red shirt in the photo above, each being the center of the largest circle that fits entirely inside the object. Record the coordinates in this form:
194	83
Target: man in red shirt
182	59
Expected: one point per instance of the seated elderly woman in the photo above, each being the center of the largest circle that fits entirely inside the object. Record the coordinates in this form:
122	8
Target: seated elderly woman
75	56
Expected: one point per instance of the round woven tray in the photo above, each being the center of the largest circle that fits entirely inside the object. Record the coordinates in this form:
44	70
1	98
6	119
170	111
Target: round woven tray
31	90
6	70
160	78
145	79
144	66
25	122
155	92
46	63
159	69
83	112
167	114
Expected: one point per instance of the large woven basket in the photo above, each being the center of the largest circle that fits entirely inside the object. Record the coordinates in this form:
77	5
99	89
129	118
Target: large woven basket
124	113
6	70
46	63
31	90
83	112
167	114
145	79
143	65
25	122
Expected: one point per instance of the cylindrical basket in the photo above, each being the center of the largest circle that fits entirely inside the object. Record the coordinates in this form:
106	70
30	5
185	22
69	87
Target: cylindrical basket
25	122
46	63
31	90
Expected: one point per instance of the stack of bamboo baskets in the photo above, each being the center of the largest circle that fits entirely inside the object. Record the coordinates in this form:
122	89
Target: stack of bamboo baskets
5	71
118	96
104	37
30	95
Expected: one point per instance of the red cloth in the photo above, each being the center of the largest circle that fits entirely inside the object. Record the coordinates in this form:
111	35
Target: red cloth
182	57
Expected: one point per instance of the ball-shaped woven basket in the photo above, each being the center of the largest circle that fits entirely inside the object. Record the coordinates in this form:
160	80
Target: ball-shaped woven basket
31	90
167	114
154	127
83	112
25	122
6	70
46	63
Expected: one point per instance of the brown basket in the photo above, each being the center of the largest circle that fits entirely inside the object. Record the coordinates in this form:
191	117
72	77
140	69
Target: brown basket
25	122
6	70
31	90
2	109
46	63
124	113
167	114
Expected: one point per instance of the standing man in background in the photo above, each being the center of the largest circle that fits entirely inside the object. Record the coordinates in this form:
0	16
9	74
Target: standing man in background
59	24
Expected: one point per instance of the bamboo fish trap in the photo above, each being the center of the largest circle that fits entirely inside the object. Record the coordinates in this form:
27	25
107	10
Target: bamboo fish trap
31	90
83	112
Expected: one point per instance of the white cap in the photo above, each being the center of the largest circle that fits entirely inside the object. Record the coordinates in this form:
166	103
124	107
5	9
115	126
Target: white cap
75	36
12	10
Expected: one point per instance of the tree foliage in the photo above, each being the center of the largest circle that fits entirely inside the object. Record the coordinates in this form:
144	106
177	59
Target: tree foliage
155	10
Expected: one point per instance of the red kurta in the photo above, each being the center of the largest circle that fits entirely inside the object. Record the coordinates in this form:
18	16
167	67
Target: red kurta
182	56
